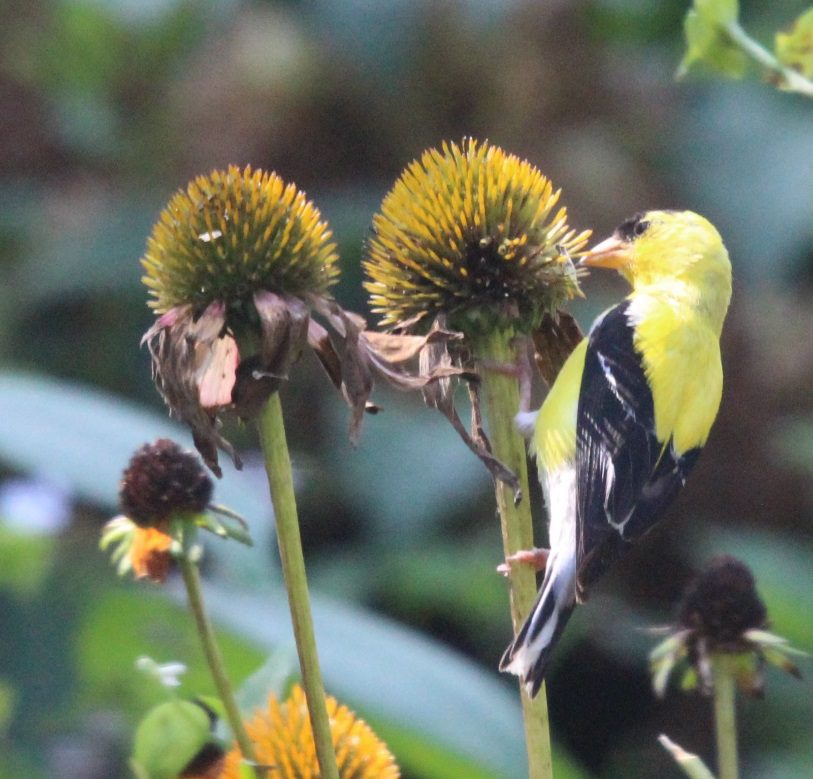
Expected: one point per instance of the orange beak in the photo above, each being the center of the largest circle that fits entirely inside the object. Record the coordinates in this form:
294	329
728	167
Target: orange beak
610	253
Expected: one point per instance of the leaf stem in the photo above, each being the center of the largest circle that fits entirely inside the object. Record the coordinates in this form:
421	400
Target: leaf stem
725	717
787	78
281	483
191	578
501	396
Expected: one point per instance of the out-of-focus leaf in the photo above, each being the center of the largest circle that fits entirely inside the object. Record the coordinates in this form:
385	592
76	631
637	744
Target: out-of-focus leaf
778	764
407	458
389	673
168	737
24	561
713	138
794	444
80	437
96	252
706	39
272	678
454	579
794	49
137	620
7	703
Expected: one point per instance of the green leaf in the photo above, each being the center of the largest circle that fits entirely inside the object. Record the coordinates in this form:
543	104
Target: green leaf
707	43
272	678
393	675
721	12
168	737
134	620
794	49
25	561
8	702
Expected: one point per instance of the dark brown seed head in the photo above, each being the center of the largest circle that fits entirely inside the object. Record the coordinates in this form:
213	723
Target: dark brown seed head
722	604
163	480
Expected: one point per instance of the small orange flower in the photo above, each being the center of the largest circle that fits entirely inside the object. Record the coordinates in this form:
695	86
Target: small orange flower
149	554
283	740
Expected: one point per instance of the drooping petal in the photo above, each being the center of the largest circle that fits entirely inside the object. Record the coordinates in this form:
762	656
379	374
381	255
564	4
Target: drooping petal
194	362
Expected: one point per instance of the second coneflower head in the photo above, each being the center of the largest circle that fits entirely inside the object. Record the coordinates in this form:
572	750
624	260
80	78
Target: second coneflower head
475	234
473	240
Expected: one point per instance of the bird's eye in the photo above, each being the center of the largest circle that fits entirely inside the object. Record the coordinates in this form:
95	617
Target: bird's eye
632	228
640	228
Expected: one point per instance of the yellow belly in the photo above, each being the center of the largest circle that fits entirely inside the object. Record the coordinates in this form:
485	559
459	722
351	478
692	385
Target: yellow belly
555	433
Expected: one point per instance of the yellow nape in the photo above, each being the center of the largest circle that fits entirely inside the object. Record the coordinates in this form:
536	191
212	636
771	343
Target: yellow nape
554	440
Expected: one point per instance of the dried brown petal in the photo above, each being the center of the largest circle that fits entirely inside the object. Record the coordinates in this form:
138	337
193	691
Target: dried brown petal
436	361
284	325
319	341
356	376
194	363
283	335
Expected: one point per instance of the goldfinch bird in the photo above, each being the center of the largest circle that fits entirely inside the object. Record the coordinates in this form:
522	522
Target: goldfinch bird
628	414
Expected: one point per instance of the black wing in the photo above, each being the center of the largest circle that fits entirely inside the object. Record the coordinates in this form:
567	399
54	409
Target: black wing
625	476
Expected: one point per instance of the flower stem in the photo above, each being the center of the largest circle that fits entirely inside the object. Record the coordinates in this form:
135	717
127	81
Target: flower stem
281	483
501	397
191	578
725	717
787	78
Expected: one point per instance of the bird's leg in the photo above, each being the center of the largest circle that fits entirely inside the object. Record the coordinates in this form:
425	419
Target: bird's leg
510	369
536	557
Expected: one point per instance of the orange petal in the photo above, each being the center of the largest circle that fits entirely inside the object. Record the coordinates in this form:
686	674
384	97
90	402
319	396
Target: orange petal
149	554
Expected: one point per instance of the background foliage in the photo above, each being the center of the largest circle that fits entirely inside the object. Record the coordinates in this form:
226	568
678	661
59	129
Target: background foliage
107	107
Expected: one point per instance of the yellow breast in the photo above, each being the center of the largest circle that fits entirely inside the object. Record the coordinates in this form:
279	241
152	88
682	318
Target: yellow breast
681	359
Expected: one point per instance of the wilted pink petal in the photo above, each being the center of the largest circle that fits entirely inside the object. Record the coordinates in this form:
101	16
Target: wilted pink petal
216	372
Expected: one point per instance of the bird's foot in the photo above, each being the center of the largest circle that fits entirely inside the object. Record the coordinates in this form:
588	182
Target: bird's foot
536	557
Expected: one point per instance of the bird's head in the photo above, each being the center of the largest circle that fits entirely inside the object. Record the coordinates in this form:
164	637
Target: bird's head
669	252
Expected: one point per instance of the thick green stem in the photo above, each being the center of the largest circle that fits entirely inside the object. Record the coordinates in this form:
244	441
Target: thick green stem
788	79
725	717
280	480
501	397
191	579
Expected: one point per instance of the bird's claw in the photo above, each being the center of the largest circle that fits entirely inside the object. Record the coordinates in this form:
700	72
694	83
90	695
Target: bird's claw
536	557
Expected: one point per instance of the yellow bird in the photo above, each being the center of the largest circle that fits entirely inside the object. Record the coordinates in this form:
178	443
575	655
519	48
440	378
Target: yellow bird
628	414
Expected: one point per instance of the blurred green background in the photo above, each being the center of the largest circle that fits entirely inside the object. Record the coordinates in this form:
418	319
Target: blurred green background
107	107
